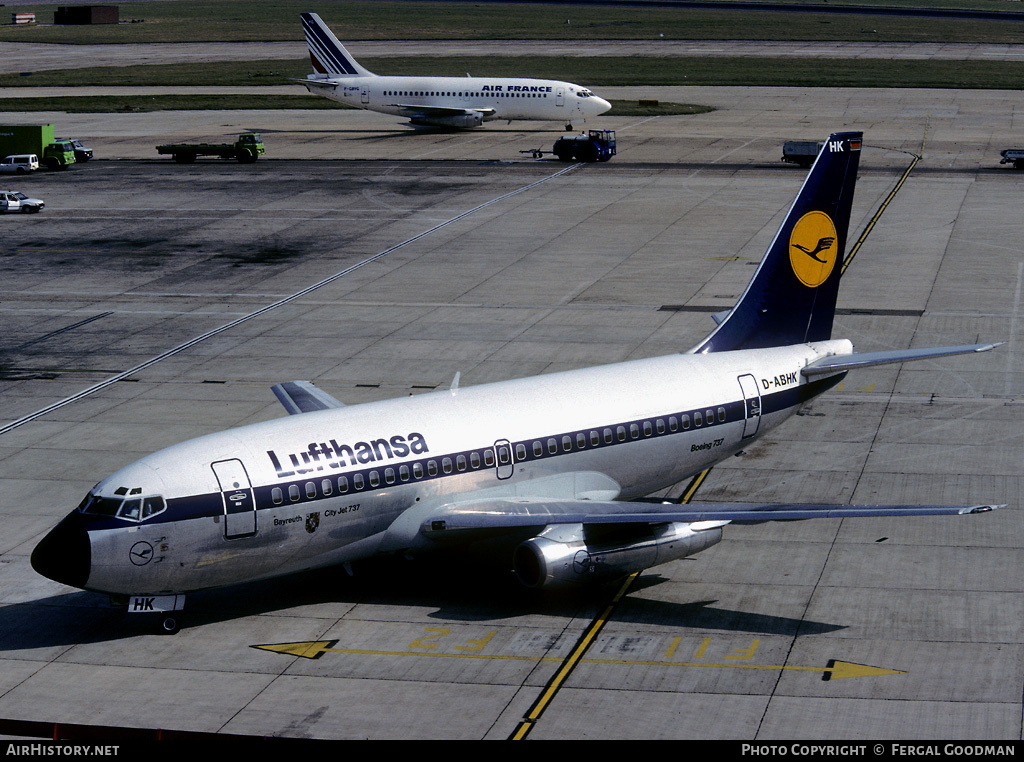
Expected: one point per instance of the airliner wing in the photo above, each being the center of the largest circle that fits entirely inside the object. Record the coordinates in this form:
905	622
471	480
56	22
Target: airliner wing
519	513
303	397
437	111
839	363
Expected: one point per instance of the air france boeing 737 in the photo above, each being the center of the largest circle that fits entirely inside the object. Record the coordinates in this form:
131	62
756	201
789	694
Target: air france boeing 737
557	464
439	101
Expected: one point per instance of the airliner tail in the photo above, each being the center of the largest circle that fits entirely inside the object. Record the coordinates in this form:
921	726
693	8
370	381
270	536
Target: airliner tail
329	57
792	296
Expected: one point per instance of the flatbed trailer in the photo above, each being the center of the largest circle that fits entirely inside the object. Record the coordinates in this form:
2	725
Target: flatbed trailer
246	149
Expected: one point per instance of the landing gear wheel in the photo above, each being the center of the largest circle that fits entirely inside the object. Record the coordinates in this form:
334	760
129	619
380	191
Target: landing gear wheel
169	624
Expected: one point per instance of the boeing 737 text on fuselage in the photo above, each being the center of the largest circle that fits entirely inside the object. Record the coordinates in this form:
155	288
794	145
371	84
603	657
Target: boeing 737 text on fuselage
439	101
557	466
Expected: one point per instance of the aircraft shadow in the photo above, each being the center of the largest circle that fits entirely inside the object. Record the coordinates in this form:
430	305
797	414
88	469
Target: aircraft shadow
456	590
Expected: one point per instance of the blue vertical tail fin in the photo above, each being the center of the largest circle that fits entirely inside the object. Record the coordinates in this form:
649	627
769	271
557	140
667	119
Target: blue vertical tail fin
792	297
329	57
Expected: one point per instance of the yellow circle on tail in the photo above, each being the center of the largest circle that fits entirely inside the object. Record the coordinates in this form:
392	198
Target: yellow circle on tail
813	248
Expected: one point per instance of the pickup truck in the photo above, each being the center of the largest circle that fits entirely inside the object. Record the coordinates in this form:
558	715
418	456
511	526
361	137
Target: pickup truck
81	152
15	201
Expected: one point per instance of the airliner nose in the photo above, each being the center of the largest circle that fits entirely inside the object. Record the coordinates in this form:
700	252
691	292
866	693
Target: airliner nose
600	105
64	554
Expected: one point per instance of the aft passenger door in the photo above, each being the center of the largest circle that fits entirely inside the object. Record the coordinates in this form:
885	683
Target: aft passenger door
751	405
239	502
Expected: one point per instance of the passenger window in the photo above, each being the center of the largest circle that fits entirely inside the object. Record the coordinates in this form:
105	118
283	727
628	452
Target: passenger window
489	457
721	415
374	479
538	449
648	429
389	475
417	470
474	459
403	473
634	430
660	426
620	432
520	452
357	481
697	420
673	424
326	487
277	495
552	446
310	490
686	422
446	465
460	462
567	443
581	440
293	492
711	416
432	468
595	439
342	484
607	436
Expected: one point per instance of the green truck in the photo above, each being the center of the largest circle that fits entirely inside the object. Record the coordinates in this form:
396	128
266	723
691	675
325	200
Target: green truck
37	139
246	149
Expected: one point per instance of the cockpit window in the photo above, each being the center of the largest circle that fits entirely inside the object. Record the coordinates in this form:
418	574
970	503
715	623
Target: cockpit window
131	509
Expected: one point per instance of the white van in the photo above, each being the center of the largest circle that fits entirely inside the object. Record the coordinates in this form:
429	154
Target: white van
20	163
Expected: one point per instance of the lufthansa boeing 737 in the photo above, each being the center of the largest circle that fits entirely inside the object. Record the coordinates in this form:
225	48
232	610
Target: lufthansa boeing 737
439	101
558	465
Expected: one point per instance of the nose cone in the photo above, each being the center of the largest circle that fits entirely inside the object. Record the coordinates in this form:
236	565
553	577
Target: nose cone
64	554
599	105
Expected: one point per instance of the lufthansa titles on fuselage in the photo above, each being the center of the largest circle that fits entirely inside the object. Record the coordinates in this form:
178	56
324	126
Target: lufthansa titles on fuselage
331	454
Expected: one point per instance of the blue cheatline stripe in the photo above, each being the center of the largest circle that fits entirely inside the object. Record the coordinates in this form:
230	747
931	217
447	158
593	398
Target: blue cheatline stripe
375	476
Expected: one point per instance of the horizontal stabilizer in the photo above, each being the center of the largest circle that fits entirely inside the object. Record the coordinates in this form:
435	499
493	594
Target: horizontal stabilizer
517	514
303	397
838	363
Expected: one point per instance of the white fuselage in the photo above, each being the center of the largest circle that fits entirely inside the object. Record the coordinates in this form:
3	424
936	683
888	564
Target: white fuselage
338	485
493	97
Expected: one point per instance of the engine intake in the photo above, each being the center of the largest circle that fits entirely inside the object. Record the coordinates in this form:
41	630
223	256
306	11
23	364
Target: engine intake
569	554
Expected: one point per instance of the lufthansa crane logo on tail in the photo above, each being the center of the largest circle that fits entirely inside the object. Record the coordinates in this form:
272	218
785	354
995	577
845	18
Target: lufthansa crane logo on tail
812	248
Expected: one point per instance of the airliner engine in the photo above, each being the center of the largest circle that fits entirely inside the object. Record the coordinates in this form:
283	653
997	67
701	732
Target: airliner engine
571	554
457	120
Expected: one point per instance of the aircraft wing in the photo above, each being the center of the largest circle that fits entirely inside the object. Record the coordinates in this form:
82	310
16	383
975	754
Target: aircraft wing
303	397
518	513
838	363
411	110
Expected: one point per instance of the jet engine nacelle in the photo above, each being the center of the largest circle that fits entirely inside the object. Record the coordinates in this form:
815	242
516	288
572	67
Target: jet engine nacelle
567	554
458	120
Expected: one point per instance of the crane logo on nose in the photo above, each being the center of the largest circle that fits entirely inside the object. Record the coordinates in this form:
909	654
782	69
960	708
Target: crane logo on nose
141	553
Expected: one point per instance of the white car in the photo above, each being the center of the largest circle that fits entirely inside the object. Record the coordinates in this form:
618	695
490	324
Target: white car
16	201
20	163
